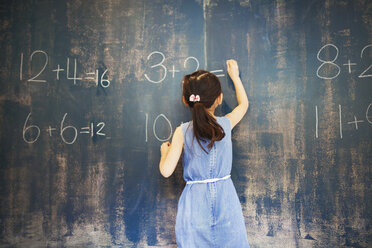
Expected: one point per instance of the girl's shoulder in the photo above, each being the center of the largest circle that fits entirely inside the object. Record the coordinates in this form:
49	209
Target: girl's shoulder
225	122
185	126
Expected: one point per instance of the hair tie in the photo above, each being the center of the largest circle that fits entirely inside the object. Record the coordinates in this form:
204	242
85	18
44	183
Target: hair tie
194	98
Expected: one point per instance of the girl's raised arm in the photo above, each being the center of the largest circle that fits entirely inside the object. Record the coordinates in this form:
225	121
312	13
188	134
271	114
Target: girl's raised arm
170	153
237	114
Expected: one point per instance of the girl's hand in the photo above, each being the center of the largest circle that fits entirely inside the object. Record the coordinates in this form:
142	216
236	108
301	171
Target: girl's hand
164	148
232	68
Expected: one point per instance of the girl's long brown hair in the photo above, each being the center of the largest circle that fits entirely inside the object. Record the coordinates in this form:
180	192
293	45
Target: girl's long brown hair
208	87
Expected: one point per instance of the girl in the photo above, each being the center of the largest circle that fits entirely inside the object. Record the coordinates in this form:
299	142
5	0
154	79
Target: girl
209	212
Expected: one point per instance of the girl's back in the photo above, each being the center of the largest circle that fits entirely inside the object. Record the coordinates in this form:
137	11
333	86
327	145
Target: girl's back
209	212
199	165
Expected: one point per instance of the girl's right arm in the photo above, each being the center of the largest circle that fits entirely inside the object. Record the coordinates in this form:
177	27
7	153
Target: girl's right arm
237	114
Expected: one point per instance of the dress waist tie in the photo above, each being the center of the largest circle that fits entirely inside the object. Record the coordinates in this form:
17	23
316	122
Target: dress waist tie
210	180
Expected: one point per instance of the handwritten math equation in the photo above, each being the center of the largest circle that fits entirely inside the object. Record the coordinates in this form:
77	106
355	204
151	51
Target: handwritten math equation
68	133
159	66
334	69
96	77
355	122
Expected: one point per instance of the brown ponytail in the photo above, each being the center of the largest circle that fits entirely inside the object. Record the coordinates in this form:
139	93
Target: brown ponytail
208	87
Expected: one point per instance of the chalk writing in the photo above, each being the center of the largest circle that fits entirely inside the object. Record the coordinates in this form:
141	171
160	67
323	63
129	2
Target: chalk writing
157	65
316	122
57	71
63	129
333	68
21	68
190	64
196	61
328	62
154	127
45	64
173	71
368	117
102	80
170	125
25	129
33	131
363	75
218	75
339	113
68	69
90	129
165	70
147	121
354	122
349	64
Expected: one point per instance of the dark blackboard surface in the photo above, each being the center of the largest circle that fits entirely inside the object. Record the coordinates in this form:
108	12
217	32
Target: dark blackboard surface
90	89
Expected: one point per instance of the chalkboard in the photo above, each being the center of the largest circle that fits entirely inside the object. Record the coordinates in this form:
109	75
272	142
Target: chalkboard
90	90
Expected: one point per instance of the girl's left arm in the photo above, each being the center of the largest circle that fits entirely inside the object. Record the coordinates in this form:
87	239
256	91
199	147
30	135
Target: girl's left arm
170	153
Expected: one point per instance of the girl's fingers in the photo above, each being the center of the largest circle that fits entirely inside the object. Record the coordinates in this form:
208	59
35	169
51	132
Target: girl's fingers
231	65
228	65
